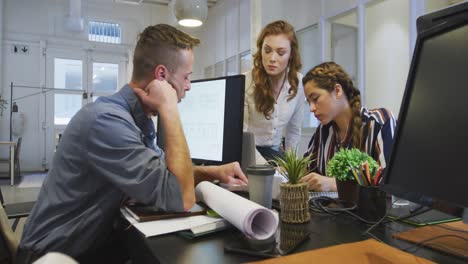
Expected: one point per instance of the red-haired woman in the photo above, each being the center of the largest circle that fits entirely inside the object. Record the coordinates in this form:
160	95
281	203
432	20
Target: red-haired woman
274	99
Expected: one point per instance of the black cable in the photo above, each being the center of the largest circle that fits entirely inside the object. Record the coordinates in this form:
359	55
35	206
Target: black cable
425	242
361	219
419	211
376	238
376	224
452	229
414	212
319	204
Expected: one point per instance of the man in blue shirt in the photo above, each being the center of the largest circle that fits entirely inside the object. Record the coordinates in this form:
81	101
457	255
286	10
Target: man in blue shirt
108	153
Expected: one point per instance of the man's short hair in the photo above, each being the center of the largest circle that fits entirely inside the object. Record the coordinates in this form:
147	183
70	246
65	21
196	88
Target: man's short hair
159	45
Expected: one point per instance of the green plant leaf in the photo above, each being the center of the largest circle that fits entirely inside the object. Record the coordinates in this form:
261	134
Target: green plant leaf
292	166
339	166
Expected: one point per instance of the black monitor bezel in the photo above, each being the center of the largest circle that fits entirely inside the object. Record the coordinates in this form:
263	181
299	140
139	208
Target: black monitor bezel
428	26
233	120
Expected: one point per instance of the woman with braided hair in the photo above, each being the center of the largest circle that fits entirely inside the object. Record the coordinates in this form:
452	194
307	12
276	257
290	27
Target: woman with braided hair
344	123
274	96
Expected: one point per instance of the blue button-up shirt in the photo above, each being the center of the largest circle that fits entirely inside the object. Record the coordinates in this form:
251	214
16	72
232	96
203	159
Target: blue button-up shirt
107	152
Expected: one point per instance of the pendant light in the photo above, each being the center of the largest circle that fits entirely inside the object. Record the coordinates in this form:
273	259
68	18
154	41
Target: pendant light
190	13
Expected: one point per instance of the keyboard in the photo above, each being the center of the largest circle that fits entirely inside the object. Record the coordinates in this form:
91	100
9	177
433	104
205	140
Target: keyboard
327	194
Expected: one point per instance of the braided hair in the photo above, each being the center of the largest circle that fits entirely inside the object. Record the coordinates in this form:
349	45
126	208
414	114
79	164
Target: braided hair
326	76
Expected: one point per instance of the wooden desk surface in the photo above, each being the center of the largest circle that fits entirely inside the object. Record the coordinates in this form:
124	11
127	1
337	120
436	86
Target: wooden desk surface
325	230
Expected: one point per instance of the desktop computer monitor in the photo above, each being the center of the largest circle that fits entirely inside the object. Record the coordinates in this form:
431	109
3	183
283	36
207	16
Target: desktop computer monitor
427	164
212	114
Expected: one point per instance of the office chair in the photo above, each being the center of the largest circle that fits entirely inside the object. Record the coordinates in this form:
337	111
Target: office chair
55	258
8	241
17	167
16	210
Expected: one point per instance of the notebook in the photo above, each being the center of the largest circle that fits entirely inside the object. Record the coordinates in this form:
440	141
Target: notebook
326	194
431	217
145	213
204	229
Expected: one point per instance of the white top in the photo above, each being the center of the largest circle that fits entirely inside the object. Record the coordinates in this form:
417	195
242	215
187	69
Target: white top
286	116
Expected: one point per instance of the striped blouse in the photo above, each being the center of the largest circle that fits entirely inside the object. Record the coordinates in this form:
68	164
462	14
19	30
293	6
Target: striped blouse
376	139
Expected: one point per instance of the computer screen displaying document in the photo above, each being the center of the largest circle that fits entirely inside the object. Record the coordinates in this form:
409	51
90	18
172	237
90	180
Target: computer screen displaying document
212	118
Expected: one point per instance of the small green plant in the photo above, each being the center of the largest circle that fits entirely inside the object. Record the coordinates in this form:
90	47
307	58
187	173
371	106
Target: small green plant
292	166
339	166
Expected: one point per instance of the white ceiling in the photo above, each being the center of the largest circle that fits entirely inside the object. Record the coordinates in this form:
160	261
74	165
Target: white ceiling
157	2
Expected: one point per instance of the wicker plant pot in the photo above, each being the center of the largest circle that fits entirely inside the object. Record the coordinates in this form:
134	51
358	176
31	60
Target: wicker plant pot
294	203
291	235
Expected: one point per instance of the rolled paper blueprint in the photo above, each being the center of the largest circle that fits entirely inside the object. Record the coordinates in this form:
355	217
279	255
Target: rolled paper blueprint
254	220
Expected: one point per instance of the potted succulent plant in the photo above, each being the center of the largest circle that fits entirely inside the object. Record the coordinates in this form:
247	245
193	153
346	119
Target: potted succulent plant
340	167
294	196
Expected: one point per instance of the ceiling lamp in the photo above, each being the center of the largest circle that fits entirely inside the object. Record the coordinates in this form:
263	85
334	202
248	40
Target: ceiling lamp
190	13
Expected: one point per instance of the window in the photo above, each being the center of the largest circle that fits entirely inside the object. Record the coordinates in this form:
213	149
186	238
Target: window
104	32
66	106
231	66
68	76
309	48
209	72
245	59
105	77
219	69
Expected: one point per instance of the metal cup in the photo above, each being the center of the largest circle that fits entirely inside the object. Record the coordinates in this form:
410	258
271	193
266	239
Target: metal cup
261	184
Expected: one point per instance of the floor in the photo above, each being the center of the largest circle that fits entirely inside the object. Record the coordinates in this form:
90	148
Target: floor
13	194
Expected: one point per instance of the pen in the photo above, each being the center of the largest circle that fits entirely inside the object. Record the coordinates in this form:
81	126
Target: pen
373	172
366	167
353	171
377	176
381	176
363	175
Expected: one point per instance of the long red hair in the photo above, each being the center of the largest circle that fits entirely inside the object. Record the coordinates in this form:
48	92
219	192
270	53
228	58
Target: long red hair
263	93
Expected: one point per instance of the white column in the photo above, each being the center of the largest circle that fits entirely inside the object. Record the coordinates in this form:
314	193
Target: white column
12	164
256	23
1	49
417	8
361	78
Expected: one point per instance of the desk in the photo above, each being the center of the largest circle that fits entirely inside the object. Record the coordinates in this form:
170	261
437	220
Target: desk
12	159
325	231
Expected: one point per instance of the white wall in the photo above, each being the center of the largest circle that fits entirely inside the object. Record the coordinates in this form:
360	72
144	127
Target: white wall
344	48
229	31
333	7
1	49
299	13
434	5
387	53
225	33
244	25
31	23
